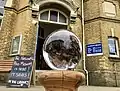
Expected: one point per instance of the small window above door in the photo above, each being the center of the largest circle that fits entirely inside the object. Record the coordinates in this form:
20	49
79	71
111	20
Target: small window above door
113	47
53	16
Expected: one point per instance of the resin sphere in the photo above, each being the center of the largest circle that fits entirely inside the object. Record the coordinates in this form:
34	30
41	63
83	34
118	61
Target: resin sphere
62	50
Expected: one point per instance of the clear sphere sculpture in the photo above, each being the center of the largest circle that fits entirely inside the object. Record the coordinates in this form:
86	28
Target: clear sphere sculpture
62	50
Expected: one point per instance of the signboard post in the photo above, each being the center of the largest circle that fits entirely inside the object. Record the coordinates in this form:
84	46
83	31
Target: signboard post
94	49
21	72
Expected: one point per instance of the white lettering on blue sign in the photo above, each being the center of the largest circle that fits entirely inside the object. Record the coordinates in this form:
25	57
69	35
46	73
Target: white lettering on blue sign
94	49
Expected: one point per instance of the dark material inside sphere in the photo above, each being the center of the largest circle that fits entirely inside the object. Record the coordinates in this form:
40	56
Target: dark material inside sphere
62	50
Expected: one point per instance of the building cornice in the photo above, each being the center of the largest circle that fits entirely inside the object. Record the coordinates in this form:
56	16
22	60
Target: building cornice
10	9
103	19
28	7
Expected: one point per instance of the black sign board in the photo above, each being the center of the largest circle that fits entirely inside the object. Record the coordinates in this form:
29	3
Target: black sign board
21	72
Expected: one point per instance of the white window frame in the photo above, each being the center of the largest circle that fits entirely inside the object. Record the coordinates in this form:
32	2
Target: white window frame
20	42
116	45
1	17
111	14
57	17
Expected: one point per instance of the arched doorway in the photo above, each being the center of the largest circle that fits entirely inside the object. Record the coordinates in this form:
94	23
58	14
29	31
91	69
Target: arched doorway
49	20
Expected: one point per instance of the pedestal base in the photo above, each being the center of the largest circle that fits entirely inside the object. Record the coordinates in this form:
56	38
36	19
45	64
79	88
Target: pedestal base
61	80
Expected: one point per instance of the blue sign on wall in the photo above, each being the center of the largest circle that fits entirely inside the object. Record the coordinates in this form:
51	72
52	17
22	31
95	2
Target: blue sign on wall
94	49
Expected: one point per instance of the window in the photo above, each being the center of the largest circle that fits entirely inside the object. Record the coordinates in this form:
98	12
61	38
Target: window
44	15
53	16
109	9
113	47
2	4
16	43
0	21
62	18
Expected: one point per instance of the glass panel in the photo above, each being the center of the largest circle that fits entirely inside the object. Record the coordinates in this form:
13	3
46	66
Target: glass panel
62	18
53	16
15	45
112	46
44	15
1	11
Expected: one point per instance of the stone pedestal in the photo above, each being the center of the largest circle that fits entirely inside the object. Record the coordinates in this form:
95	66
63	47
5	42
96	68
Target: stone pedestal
61	80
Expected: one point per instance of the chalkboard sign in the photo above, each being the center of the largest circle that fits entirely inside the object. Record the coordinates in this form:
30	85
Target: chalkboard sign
21	72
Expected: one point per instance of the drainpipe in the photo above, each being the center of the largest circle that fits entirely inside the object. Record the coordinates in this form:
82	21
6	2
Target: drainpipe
115	70
83	44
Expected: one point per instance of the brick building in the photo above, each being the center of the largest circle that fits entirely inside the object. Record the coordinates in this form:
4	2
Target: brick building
26	23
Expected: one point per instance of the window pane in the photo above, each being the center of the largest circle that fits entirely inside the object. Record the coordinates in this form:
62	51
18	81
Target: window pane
15	45
44	15
1	11
112	46
53	16
62	18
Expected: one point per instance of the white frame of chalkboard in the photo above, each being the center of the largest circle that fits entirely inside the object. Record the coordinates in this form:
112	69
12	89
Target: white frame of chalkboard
20	43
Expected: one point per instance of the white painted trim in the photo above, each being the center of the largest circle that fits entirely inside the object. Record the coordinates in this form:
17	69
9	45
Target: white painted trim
115	56
35	7
58	16
1	17
54	10
50	9
19	45
38	70
53	22
56	1
96	54
48	16
117	48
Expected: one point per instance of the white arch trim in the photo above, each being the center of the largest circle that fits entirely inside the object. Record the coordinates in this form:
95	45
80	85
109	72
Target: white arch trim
50	9
58	2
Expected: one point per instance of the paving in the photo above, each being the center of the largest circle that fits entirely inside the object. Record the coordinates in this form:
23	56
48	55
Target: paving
81	88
